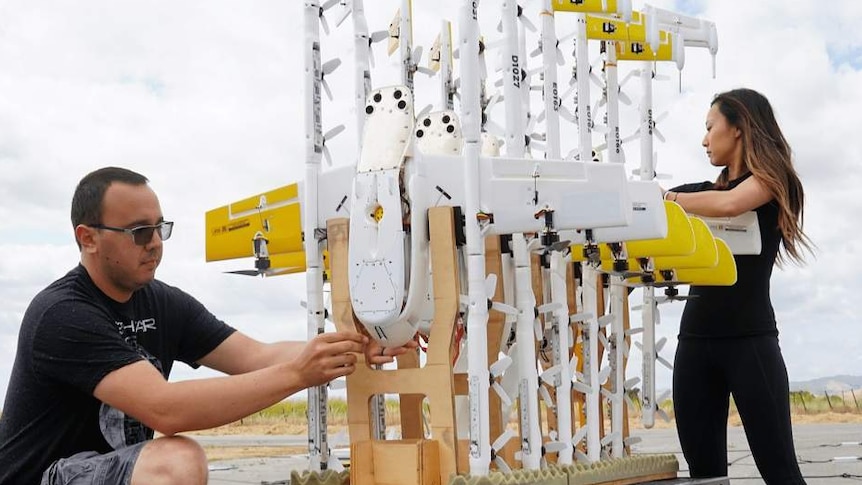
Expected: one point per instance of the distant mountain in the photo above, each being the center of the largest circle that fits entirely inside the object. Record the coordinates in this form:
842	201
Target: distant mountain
832	384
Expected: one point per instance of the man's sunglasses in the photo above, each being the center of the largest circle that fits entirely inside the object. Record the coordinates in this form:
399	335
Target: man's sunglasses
142	235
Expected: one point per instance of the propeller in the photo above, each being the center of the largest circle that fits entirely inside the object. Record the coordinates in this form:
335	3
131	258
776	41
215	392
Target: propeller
346	10
374	38
658	346
264	272
333	463
579	385
554	446
327	69
496	370
328	136
524	20
498	445
546	396
561	59
580	434
424	111
416	59
604	373
323	8
490	290
631	440
262	263
658	134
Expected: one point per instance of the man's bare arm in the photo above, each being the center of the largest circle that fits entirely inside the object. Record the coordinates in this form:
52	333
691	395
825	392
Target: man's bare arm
240	353
171	407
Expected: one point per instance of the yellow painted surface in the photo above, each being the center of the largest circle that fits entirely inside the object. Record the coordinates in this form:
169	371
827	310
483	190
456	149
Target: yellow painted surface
276	214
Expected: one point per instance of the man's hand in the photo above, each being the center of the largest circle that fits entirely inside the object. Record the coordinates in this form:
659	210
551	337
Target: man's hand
328	356
376	354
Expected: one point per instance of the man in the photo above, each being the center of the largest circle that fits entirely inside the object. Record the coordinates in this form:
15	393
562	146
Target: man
89	385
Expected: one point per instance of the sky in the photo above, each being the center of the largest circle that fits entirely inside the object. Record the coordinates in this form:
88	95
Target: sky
205	98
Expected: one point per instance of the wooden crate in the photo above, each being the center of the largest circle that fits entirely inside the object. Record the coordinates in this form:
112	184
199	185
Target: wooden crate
395	462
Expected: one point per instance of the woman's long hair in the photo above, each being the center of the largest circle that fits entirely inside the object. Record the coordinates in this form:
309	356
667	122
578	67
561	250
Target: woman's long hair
767	155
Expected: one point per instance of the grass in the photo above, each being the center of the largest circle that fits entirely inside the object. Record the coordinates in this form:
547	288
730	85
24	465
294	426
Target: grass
289	417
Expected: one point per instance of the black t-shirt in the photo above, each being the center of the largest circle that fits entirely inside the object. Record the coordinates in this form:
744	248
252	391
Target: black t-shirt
71	337
744	309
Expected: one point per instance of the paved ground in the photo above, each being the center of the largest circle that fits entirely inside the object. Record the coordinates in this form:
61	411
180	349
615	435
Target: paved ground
826	453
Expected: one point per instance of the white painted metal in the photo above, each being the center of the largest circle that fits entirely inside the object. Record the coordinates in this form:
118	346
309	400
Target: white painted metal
550	88
513	69
528	385
477	321
563	381
318	446
362	72
590	325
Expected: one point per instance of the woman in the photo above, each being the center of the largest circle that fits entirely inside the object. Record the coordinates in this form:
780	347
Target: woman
728	340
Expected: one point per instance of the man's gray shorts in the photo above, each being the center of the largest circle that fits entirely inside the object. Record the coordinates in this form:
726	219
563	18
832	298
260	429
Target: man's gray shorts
91	468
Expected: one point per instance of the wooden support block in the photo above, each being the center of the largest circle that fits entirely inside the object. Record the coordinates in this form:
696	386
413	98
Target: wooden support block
434	380
496	324
401	462
461	387
410	404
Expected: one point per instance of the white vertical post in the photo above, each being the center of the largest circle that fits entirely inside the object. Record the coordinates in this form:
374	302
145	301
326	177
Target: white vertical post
617	358
362	81
582	72
512	78
618	292
563	383
477	321
528	383
613	138
405	43
318	448
551	91
591	361
647	172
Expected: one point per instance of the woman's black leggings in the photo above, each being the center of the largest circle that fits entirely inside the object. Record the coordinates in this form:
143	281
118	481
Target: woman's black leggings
706	372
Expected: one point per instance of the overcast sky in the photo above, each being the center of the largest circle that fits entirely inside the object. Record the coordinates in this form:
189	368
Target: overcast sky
206	99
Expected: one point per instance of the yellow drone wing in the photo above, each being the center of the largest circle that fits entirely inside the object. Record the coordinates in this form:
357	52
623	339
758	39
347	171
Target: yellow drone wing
275	214
723	274
679	241
585	6
704	256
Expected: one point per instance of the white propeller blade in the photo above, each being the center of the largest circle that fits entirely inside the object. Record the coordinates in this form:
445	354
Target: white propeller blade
604	373
554	446
546	396
333	463
551	307
501	440
504	396
498	368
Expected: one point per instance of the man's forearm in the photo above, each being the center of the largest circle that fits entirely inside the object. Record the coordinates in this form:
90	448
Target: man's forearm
279	353
207	403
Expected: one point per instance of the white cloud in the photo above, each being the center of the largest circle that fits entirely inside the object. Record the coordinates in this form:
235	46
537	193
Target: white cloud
205	98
